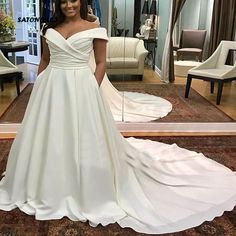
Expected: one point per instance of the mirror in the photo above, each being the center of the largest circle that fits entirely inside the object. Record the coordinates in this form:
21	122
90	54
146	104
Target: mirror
125	21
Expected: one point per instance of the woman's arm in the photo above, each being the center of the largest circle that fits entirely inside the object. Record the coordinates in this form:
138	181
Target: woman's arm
45	58
99	46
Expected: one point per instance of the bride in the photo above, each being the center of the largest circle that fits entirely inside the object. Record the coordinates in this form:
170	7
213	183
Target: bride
68	158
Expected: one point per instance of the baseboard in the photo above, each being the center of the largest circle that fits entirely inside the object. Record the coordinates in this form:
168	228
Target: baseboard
157	71
153	129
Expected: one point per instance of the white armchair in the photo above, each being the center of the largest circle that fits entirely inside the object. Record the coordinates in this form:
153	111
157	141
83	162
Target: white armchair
125	56
8	71
214	69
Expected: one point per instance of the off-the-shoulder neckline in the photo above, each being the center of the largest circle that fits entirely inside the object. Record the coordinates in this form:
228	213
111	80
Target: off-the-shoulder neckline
80	32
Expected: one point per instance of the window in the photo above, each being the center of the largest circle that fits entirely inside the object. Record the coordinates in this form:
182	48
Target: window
5	5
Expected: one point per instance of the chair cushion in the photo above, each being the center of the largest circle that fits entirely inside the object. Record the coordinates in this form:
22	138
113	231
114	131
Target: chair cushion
211	73
121	47
7	70
122	62
182	67
190	50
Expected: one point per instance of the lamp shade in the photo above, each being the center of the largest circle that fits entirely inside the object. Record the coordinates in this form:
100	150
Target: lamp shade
145	8
153	8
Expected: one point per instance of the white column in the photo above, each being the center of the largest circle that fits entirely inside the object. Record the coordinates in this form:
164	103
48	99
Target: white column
109	18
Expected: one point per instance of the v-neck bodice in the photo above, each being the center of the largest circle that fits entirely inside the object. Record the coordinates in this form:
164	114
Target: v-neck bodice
77	33
73	51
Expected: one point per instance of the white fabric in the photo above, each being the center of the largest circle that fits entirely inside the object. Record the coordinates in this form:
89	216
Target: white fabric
132	106
121	62
214	66
6	66
4	62
212	73
6	70
122	47
122	52
182	67
68	158
166	53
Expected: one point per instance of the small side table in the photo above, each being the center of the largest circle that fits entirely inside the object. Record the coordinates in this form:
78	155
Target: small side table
151	45
14	46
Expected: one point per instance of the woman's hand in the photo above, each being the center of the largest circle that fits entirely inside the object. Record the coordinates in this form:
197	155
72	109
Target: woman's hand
99	46
45	58
91	17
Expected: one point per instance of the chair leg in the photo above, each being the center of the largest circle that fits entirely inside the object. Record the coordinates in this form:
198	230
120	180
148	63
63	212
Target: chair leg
188	85
18	78
2	86
200	57
219	93
1	83
212	86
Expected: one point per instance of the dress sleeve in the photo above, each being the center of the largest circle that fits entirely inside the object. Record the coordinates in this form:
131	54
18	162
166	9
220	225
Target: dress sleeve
100	33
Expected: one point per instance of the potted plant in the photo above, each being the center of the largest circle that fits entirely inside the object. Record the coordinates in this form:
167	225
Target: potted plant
7	27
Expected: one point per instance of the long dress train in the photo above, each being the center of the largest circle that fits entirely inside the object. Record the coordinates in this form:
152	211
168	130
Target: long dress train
134	106
68	159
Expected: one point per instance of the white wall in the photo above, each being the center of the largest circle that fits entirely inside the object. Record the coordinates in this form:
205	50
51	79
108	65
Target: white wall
104	9
18	13
17	9
190	14
208	12
164	15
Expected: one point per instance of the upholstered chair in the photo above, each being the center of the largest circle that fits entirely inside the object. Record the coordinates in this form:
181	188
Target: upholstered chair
215	69
191	45
125	55
9	71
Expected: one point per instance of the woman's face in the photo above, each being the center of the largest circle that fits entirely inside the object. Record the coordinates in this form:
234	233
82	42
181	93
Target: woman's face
70	8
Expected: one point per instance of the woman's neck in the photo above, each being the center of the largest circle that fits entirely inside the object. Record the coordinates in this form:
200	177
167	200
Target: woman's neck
74	19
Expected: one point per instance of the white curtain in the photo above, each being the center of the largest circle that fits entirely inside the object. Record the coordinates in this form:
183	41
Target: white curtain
166	52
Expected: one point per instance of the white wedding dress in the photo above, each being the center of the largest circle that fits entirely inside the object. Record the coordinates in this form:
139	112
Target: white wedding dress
68	158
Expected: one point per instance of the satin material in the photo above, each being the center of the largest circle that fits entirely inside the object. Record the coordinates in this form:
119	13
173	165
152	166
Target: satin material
68	159
134	106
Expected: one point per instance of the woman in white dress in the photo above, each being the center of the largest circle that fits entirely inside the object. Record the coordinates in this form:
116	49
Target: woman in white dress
68	158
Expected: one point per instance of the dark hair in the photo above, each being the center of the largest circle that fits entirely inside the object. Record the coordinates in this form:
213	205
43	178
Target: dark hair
58	16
